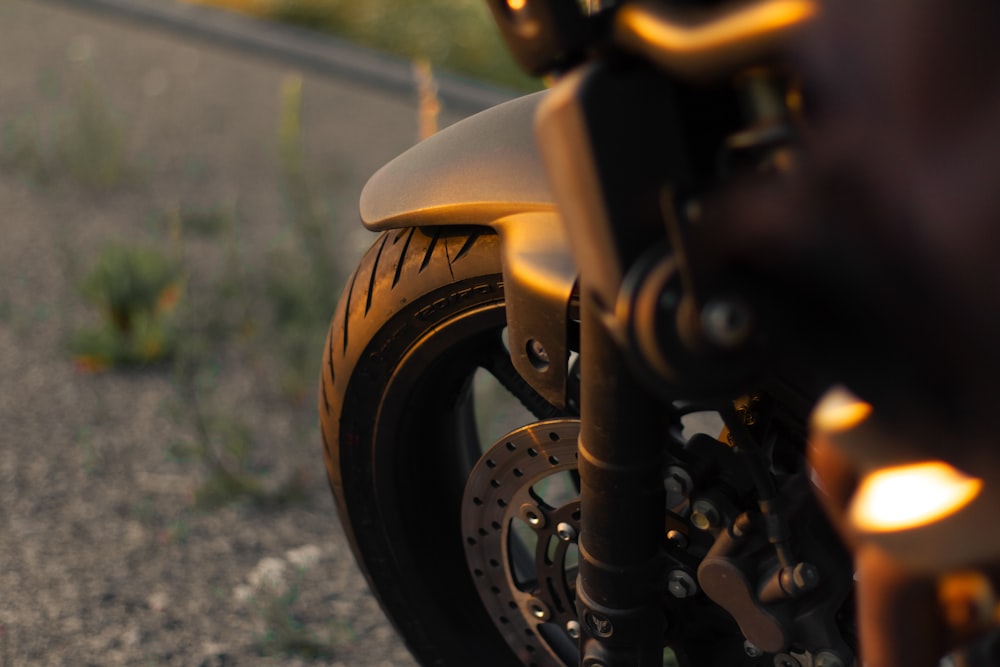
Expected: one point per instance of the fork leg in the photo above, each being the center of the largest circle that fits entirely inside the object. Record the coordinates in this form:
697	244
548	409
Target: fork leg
620	584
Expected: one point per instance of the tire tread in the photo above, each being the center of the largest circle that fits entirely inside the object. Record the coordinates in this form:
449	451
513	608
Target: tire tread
390	286
369	333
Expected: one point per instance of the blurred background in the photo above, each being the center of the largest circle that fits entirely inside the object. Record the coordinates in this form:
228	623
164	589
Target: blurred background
178	192
454	35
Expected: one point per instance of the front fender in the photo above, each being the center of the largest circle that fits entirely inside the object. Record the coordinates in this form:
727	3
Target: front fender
476	171
485	170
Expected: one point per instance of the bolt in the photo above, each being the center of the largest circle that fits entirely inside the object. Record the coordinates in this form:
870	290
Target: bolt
704	514
805	576
741	527
538	355
727	322
785	660
751	650
828	659
678	481
566	532
600	625
573	629
747	416
677	539
538	609
533	515
681	584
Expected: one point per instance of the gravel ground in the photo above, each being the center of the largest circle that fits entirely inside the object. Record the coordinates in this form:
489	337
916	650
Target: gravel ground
105	559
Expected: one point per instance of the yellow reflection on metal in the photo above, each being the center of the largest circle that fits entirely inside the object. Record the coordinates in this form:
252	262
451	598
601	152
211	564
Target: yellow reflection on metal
517	5
912	495
753	21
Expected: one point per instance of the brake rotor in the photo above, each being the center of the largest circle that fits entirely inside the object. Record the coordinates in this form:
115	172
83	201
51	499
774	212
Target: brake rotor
520	521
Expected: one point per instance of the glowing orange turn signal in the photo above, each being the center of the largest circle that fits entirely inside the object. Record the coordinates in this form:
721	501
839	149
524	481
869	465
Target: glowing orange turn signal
911	495
838	411
517	5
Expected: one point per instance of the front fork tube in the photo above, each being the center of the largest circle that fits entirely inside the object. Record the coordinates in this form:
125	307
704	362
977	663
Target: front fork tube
619	586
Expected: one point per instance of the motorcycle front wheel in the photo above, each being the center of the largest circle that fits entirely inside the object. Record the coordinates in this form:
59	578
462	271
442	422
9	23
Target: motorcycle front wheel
421	317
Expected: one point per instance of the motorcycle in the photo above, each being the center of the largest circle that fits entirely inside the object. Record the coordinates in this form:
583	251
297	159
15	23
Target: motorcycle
567	421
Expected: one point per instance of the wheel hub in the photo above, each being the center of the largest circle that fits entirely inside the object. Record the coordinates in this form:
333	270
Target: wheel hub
520	520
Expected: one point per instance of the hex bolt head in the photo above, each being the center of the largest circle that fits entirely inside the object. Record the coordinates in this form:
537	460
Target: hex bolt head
573	629
681	584
751	650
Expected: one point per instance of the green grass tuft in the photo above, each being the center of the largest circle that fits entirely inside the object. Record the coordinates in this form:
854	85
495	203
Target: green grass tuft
135	290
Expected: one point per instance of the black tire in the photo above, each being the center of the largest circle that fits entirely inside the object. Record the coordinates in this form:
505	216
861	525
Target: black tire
422	312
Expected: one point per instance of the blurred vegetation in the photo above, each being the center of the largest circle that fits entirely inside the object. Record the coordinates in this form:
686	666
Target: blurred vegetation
274	594
280	311
85	141
285	634
154	303
91	140
455	35
176	295
135	290
303	295
223	445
